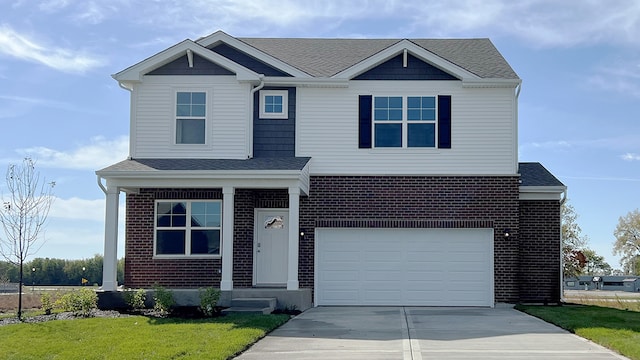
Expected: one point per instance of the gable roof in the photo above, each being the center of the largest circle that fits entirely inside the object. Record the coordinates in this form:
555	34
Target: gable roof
338	59
328	57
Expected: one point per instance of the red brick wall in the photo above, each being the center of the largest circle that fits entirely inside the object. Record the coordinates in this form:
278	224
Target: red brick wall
140	268
400	199
359	201
539	251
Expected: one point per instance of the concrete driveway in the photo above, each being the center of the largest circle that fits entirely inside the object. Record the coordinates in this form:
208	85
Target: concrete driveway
421	333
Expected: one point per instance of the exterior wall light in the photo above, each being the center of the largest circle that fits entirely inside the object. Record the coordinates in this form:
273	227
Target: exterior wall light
507	233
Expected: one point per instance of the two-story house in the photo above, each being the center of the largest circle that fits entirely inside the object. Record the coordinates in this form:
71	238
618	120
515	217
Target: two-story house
332	172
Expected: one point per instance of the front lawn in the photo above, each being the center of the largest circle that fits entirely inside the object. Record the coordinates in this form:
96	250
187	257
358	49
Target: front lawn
615	329
136	337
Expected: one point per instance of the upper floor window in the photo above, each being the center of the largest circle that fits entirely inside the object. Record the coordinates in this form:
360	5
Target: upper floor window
274	104
188	228
397	125
191	112
404	121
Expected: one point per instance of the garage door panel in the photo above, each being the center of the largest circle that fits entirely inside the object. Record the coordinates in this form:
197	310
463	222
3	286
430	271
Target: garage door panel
419	267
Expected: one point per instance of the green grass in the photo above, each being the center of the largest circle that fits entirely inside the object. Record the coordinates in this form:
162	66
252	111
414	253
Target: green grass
615	329
135	337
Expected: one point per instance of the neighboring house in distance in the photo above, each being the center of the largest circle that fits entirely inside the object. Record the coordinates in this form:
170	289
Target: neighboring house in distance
332	172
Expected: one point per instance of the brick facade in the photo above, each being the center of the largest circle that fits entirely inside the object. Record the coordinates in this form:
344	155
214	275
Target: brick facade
361	201
539	251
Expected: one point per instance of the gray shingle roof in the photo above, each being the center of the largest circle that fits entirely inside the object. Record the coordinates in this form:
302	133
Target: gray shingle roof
327	57
534	174
293	163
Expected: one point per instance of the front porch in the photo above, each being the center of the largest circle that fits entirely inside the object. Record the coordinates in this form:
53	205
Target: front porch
242	256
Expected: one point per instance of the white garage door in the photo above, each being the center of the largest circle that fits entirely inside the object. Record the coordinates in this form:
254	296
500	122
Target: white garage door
419	267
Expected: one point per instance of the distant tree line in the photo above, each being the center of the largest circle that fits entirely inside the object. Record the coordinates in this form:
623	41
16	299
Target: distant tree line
46	271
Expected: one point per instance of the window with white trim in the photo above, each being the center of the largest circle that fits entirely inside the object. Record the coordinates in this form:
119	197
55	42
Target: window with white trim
397	125
188	227
191	115
274	104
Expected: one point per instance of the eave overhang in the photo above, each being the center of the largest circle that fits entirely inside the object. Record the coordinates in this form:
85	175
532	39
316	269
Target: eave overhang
542	192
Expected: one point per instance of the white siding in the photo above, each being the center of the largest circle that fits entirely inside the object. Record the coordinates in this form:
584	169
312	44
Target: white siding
153	117
483	131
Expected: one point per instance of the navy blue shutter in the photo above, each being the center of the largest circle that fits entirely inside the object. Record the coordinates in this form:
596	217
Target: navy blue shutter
444	121
364	121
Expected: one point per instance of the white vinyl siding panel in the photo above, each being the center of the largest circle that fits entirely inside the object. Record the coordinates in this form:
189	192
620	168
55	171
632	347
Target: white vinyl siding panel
154	117
414	267
483	133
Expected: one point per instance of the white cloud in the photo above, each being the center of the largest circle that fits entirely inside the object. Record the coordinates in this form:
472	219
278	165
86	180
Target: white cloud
631	157
53	5
622	77
78	209
99	153
14	44
538	22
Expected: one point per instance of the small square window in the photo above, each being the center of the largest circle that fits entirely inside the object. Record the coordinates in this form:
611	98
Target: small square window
274	104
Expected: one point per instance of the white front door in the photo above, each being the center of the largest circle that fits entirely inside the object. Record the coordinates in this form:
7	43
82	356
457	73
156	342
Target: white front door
271	243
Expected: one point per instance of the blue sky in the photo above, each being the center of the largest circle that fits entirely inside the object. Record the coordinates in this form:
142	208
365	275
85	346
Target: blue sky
579	61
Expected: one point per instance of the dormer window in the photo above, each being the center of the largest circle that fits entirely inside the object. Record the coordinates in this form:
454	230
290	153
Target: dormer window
274	104
191	113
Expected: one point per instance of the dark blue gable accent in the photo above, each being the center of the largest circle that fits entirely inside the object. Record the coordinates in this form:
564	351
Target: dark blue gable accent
201	66
416	69
247	61
274	137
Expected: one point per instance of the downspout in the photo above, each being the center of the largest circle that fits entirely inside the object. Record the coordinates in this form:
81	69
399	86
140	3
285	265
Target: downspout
518	88
104	189
251	105
562	201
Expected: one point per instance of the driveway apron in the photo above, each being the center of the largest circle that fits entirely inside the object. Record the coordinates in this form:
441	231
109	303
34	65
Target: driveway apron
414	333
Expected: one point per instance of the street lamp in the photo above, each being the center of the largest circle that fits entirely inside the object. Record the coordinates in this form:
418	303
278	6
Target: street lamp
33	279
82	280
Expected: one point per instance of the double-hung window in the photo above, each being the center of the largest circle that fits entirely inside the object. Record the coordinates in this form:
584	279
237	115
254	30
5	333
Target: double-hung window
188	227
400	125
191	114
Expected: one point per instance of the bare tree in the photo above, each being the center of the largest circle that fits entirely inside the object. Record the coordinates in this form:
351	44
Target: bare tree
23	215
627	242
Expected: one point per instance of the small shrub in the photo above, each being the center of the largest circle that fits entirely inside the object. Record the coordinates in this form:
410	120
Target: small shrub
163	299
209	300
47	302
81	301
135	299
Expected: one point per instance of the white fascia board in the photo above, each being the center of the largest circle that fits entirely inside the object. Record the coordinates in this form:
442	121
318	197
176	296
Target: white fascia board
414	50
252	182
306	82
222	37
542	192
134	73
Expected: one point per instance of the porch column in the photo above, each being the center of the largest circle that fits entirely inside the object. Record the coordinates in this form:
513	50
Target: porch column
110	260
226	282
294	238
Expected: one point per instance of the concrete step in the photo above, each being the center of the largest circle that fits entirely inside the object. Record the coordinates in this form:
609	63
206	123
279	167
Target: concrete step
254	302
248	310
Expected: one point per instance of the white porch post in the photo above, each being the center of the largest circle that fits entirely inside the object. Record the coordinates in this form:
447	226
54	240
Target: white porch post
294	238
110	261
226	282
